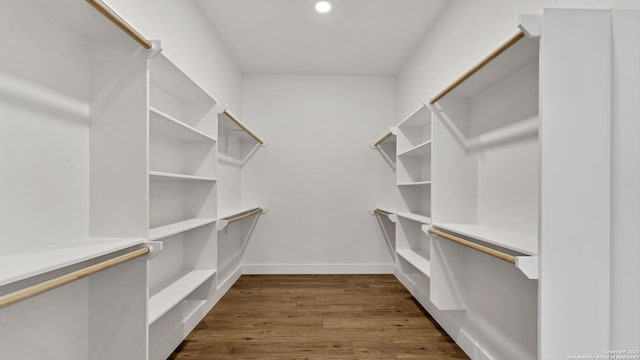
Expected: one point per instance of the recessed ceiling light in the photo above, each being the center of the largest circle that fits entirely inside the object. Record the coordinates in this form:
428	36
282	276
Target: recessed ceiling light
323	7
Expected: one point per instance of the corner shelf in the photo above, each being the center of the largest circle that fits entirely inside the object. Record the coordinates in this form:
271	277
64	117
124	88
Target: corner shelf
416	260
178	227
170	296
170	127
161	174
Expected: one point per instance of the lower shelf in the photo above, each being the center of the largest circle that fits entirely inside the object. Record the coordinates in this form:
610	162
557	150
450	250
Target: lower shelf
165	299
419	262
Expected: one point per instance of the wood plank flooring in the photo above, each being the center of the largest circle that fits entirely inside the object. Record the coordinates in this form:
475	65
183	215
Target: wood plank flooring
272	317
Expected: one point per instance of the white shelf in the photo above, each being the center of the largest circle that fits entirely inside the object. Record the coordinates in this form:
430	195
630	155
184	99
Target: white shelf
180	176
415	217
168	126
518	56
416	260
516	242
420	117
170	296
19	266
417	183
176	228
386	209
418	150
228	213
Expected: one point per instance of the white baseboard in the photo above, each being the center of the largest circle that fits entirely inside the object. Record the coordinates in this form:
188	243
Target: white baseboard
291	269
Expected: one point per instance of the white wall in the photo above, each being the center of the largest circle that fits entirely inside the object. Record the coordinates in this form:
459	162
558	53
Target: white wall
189	41
318	175
44	131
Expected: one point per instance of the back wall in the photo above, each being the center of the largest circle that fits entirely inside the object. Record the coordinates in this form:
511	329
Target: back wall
317	174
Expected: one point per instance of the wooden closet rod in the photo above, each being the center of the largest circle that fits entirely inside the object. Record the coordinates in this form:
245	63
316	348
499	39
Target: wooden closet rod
235	120
381	212
481	248
383	138
234	218
509	43
119	22
45	286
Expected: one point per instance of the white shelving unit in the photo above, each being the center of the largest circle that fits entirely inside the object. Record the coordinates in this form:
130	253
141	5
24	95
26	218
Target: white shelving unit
413	200
238	145
73	183
486	180
182	204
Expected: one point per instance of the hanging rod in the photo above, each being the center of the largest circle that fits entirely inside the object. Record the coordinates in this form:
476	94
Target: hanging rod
481	248
244	215
119	22
383	138
381	212
514	39
237	121
51	284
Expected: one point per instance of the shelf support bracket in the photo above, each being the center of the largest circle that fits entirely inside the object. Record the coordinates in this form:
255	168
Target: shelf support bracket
155	248
528	265
530	25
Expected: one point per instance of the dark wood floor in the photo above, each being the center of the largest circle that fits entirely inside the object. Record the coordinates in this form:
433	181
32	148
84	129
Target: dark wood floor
272	317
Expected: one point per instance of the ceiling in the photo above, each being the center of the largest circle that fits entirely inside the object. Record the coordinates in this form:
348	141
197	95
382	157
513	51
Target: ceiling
358	37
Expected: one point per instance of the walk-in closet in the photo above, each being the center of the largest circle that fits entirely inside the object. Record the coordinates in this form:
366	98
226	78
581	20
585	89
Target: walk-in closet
304	179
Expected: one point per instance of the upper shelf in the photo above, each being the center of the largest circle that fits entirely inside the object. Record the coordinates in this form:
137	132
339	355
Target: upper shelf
95	25
26	264
514	54
170	127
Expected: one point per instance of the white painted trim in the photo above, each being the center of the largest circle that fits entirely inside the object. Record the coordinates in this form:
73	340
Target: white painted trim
256	269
